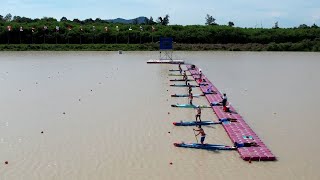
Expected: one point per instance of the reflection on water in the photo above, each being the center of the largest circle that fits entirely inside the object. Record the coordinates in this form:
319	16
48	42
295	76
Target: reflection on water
108	116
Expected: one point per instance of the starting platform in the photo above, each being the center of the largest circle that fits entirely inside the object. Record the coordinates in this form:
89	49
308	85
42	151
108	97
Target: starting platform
239	132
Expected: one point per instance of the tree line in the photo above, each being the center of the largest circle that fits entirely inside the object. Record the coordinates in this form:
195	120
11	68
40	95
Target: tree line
47	30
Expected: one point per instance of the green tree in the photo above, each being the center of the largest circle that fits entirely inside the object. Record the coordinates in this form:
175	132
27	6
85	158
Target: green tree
210	20
151	22
314	25
163	21
231	24
166	20
63	19
88	21
303	26
8	17
276	25
76	21
49	19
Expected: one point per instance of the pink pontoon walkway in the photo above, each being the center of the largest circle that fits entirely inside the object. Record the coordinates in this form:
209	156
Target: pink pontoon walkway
237	131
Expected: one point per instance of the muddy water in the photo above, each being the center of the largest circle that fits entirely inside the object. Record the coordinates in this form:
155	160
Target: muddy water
97	115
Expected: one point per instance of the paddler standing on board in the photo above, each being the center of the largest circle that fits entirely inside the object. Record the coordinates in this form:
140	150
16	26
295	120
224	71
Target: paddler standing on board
190	98
201	132
185	77
190	88
180	69
198	115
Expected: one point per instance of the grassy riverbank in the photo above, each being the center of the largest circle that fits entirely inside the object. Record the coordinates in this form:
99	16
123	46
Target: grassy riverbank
300	46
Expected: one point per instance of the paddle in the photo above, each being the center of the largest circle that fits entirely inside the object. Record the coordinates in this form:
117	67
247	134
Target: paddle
195	135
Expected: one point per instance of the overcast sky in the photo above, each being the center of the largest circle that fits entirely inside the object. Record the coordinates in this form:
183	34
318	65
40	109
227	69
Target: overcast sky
244	13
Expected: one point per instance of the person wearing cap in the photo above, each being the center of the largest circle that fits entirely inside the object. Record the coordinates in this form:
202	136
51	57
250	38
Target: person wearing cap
198	115
202	133
200	74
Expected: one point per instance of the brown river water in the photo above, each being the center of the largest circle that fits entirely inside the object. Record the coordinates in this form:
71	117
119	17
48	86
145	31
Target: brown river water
101	115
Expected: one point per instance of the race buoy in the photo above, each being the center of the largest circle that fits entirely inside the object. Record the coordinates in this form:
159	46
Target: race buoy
6	162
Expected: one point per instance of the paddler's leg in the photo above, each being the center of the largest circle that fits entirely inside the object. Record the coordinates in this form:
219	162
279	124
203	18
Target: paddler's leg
202	139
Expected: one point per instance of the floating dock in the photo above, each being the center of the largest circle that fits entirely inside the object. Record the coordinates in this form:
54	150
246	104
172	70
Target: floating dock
152	61
239	131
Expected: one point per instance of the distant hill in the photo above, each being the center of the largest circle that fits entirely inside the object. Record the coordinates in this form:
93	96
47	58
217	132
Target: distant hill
141	20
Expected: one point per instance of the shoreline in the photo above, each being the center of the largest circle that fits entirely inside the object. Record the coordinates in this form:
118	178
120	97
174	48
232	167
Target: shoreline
304	46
